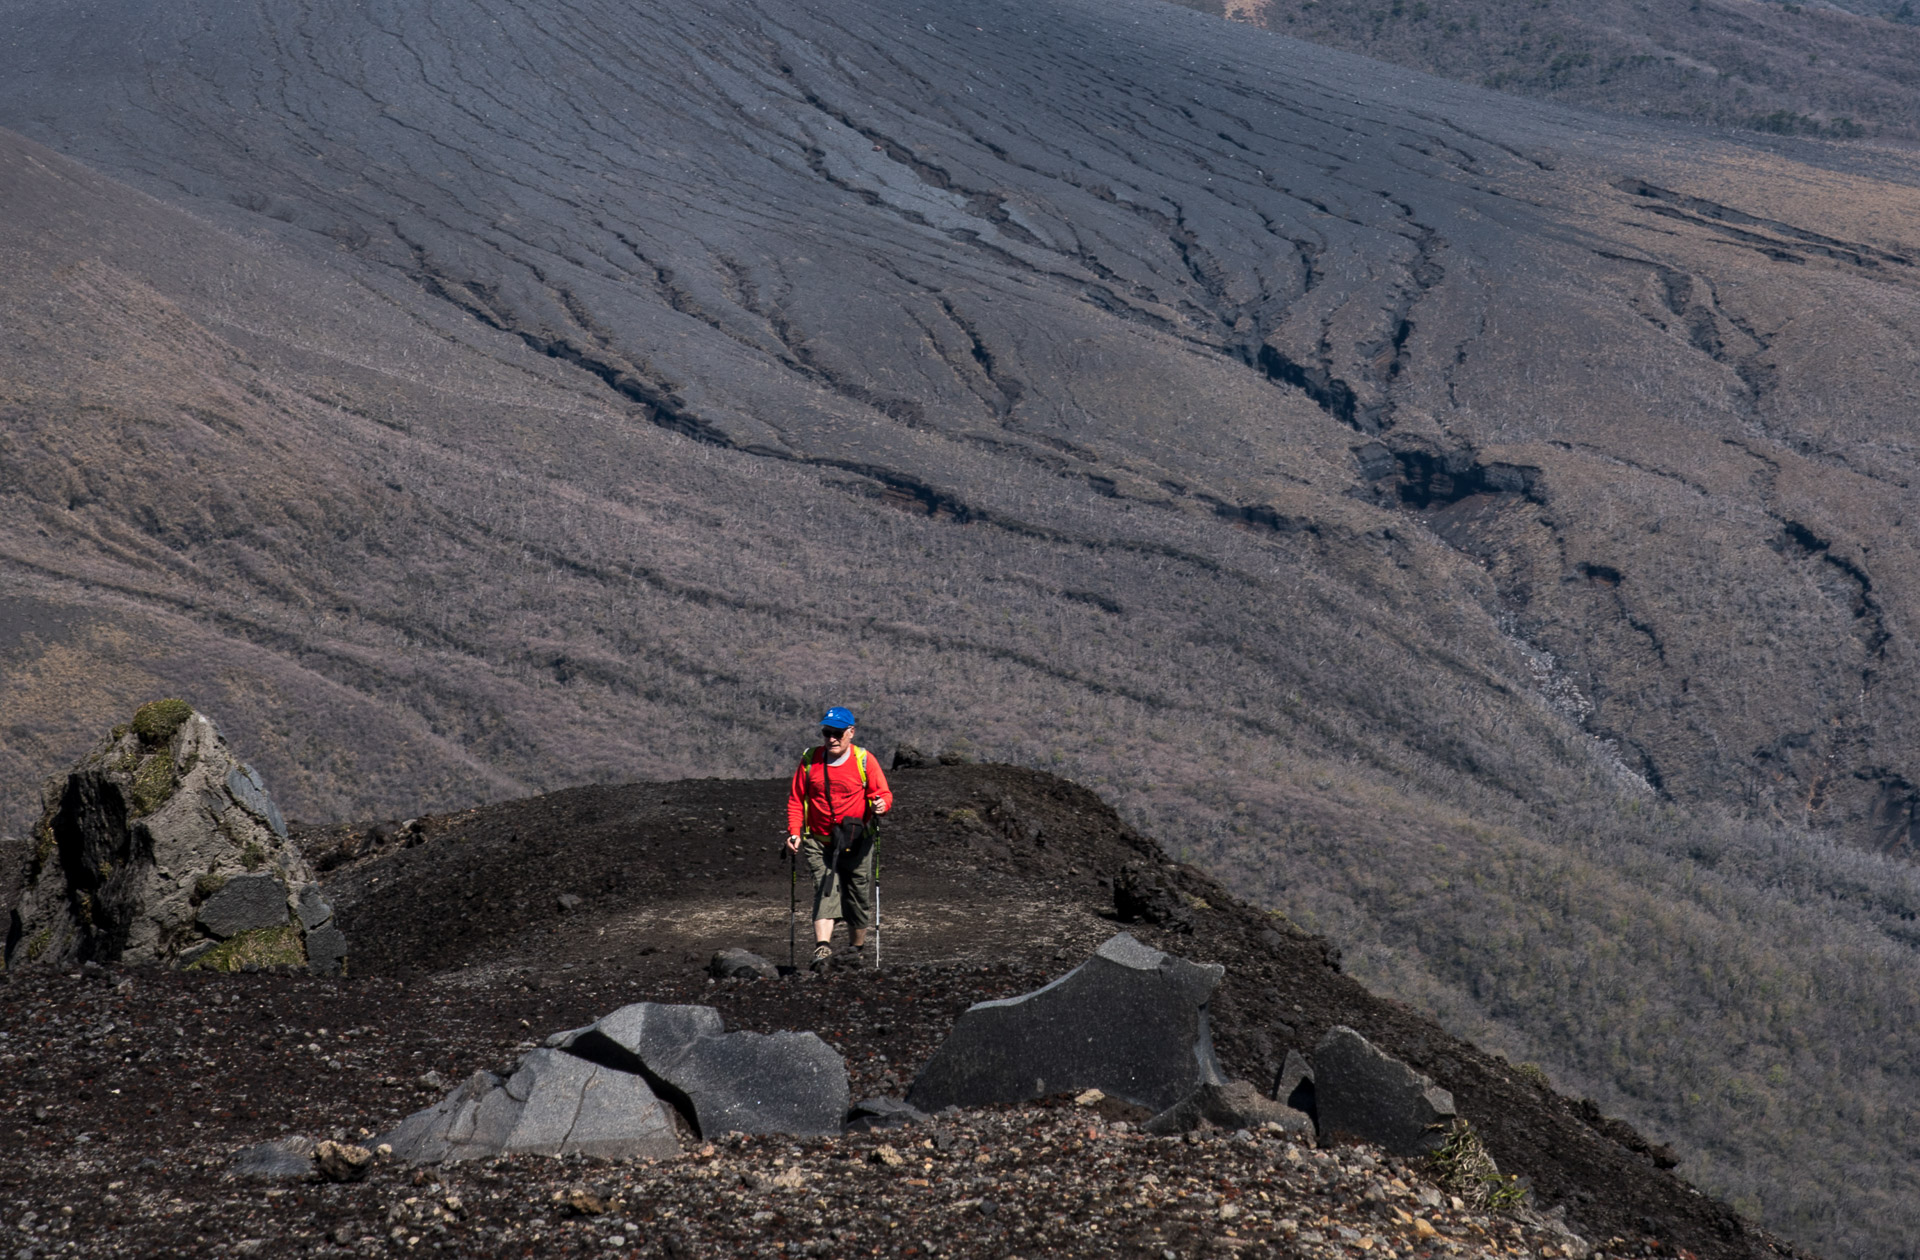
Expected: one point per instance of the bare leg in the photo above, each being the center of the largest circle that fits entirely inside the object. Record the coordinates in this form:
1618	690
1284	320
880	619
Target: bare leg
823	930
859	937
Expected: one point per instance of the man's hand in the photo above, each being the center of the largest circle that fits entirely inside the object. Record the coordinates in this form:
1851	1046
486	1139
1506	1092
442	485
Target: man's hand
879	806
793	844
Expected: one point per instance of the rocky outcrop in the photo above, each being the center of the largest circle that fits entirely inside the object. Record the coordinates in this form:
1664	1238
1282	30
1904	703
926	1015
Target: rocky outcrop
1131	1022
162	846
1362	1092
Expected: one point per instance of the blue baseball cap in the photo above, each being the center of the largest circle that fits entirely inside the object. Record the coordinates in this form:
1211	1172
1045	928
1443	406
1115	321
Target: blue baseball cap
838	718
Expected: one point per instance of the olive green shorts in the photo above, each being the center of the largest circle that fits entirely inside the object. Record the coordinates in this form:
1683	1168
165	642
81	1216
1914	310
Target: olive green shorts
846	893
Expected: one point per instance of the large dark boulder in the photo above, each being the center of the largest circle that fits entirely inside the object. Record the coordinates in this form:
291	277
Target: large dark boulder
245	903
1362	1092
1131	1022
161	846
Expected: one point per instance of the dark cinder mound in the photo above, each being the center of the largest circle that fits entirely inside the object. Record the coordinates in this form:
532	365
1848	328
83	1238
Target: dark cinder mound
701	868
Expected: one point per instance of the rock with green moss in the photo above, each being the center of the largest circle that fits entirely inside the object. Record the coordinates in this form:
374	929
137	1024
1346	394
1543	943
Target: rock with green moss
162	846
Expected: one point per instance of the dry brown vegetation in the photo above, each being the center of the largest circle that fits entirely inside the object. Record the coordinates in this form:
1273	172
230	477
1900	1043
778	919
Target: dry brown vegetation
1507	575
1788	69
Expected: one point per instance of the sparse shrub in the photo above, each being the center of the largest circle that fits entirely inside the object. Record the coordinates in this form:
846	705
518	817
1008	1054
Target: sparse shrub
253	857
207	885
1464	1167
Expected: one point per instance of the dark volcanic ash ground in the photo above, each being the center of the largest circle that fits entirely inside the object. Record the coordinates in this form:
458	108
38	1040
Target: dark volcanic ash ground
128	1092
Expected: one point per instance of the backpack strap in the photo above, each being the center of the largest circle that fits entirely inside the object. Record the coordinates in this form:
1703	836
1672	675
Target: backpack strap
826	784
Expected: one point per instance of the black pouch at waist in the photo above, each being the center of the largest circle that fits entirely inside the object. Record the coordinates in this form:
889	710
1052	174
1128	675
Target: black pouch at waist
847	844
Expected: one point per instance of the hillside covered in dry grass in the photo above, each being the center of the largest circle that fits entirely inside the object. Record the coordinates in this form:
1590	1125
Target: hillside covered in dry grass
1820	70
1473	527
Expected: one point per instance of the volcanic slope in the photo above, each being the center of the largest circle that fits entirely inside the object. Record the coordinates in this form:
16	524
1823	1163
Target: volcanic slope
1426	508
994	880
1788	69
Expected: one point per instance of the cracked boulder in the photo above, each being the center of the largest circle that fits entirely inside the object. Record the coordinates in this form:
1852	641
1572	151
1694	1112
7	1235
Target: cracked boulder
554	1104
161	846
611	1090
1131	1022
721	1082
1361	1092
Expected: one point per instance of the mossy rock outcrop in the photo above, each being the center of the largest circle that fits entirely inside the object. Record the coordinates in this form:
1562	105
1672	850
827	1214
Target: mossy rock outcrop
162	846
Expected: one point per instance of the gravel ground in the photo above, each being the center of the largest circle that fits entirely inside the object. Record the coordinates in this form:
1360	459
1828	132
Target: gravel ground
126	1093
132	1091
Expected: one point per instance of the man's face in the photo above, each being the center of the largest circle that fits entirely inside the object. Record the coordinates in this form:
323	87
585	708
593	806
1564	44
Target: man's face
836	742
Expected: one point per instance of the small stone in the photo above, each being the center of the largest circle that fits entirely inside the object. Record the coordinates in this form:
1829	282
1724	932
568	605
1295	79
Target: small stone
1423	1227
340	1161
567	902
583	1202
887	1157
1088	1099
287	1157
312	907
741	964
326	950
884	1113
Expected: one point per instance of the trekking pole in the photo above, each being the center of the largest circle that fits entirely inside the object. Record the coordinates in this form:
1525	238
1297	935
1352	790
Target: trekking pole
873	820
793	905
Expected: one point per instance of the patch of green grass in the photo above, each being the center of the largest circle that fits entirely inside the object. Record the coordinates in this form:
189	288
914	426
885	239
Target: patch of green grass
269	947
207	885
1533	1074
155	723
38	945
154	783
253	857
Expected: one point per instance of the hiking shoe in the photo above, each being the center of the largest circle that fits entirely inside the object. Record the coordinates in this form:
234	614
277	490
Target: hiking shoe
822	956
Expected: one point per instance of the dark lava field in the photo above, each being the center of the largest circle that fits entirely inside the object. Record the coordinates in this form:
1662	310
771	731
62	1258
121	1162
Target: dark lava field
1476	528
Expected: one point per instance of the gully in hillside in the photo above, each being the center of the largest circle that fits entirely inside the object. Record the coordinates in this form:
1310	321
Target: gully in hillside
833	817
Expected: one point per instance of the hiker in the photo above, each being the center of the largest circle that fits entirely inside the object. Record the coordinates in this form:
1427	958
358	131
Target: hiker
833	806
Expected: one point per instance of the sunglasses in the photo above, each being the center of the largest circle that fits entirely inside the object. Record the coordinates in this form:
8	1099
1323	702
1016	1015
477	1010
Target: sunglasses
833	732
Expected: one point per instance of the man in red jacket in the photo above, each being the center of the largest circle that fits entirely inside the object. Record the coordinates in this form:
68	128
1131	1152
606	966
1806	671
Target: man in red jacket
833	806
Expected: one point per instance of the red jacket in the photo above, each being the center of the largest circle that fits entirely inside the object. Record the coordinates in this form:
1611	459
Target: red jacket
822	795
